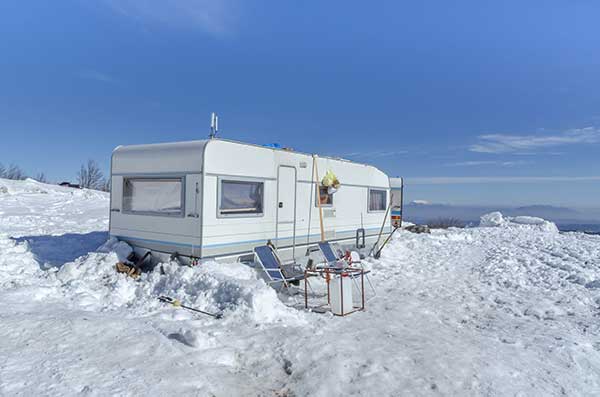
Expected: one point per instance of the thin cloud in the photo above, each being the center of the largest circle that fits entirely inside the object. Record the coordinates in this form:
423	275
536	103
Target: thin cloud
375	154
491	162
501	143
97	76
443	180
213	16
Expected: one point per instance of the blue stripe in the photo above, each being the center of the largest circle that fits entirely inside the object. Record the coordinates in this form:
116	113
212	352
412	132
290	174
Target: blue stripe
153	241
225	244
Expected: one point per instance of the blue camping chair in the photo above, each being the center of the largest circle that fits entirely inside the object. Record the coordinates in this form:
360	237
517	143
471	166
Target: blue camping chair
332	260
275	271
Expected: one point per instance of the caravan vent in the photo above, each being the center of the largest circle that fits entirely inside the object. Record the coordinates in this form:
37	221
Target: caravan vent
328	213
303	164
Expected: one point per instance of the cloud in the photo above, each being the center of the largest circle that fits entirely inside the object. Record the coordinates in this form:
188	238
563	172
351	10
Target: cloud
449	180
213	16
97	76
501	143
375	154
491	162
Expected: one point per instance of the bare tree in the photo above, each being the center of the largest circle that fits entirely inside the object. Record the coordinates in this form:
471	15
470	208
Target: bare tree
90	176
41	177
2	170
106	185
15	173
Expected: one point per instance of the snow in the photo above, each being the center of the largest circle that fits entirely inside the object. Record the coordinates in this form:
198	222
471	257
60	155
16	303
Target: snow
120	248
495	219
507	308
492	219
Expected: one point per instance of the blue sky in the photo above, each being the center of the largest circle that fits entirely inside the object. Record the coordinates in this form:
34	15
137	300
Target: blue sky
491	94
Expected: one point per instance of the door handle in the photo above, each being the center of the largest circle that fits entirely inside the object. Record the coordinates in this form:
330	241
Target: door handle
115	210
280	204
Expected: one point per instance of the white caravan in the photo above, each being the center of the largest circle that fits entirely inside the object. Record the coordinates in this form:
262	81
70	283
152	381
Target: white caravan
220	199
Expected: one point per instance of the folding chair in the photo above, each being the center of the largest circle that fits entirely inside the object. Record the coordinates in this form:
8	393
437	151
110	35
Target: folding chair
275	271
332	260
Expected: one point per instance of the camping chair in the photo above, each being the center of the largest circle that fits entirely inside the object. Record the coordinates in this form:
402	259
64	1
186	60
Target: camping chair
332	260
276	272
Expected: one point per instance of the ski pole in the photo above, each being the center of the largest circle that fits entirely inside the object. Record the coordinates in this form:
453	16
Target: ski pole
382	226
177	303
378	253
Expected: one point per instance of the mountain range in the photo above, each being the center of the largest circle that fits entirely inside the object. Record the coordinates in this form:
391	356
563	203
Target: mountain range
420	211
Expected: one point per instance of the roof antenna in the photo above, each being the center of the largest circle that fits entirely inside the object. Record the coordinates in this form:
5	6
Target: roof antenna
214	125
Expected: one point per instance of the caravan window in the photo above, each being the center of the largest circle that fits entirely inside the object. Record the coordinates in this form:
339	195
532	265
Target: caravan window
377	200
153	196
237	197
325	197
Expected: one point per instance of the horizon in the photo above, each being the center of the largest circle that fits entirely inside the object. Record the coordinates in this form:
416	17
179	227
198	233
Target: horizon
471	103
520	193
428	203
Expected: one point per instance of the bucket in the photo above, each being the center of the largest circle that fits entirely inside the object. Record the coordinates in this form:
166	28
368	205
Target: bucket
341	294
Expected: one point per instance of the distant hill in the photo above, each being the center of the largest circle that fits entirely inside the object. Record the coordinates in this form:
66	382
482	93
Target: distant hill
419	212
420	202
548	212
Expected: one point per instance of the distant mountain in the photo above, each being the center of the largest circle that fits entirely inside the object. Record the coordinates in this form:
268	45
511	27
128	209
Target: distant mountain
545	208
548	212
421	213
420	202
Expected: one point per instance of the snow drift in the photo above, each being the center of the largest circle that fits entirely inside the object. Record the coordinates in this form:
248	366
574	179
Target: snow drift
496	219
91	282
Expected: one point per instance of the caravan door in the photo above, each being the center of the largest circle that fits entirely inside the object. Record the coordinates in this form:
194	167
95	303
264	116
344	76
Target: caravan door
286	206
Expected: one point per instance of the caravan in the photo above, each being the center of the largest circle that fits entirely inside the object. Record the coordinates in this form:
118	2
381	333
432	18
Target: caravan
219	199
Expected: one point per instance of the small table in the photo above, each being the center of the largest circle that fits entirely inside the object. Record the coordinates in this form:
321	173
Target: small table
328	272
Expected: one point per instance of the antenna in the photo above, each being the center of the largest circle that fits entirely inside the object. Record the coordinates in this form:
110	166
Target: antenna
214	125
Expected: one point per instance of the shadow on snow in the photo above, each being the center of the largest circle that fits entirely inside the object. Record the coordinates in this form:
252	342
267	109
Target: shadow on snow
54	251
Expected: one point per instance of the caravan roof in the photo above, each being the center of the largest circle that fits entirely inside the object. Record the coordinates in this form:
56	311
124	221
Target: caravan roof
180	156
176	156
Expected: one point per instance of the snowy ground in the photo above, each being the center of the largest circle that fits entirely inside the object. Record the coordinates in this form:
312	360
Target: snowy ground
511	308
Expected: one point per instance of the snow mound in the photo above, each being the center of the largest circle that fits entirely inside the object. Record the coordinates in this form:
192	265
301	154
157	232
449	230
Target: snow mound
28	186
32	187
30	208
120	248
493	219
233	288
496	219
17	263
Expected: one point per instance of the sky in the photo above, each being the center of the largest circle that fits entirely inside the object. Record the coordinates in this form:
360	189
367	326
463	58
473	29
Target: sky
473	102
